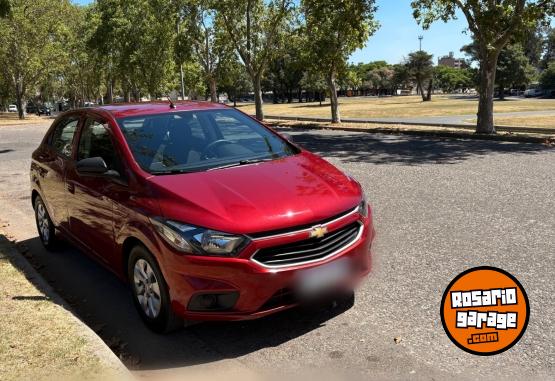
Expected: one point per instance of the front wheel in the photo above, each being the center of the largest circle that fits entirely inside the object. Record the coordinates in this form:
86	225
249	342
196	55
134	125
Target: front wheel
150	292
45	226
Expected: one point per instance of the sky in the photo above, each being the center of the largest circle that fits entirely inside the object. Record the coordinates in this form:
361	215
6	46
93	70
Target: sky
398	35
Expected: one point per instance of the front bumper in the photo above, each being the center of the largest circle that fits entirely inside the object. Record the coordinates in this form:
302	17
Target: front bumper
262	290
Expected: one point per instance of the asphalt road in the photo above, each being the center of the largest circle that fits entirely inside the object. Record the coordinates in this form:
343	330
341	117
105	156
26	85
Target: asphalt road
441	206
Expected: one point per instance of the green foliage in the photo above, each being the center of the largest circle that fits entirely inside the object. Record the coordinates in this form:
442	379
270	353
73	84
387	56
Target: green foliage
547	78
449	79
135	40
31	44
513	67
492	24
336	29
253	28
421	69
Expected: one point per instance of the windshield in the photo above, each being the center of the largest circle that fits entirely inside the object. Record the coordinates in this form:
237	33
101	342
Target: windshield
192	141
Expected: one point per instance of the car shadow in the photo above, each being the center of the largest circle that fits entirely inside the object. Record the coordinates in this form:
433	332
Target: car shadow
104	303
400	149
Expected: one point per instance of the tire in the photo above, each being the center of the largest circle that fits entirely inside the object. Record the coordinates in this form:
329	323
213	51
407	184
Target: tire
45	226
150	292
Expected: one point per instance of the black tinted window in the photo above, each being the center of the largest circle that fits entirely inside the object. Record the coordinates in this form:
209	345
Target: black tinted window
62	137
95	141
199	140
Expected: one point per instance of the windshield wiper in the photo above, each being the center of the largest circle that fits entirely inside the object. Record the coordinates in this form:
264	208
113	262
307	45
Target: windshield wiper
240	163
172	172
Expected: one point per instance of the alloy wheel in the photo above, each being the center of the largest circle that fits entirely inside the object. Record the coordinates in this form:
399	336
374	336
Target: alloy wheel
147	289
43	222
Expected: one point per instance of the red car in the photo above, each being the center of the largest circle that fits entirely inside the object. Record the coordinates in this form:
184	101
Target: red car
207	213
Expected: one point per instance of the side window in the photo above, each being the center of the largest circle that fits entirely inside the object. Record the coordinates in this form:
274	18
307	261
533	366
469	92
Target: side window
95	141
63	135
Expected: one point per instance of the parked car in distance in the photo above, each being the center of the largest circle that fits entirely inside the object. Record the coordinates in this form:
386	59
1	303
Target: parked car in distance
207	213
530	93
31	108
44	110
12	108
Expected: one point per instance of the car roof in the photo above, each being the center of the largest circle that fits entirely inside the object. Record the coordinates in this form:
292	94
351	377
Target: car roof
122	110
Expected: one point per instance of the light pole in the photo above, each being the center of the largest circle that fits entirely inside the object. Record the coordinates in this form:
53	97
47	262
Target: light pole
420	38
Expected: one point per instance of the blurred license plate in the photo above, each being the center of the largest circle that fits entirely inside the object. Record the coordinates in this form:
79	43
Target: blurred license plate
323	278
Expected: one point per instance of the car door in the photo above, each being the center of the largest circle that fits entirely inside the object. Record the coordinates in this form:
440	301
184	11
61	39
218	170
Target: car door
52	161
93	197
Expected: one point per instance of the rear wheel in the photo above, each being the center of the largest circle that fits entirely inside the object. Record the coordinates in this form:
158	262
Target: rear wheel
45	226
150	292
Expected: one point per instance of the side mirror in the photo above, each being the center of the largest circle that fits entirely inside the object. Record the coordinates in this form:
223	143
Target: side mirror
92	165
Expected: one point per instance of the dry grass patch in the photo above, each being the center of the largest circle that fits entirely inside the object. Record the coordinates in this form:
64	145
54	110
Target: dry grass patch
39	339
540	121
402	106
11	118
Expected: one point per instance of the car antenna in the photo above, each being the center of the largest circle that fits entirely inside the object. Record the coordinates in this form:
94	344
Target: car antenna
172	105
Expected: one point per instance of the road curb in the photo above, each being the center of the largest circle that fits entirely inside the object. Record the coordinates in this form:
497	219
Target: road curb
97	345
440	134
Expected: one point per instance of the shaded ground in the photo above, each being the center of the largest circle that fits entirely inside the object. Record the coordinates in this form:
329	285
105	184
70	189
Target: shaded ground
440	205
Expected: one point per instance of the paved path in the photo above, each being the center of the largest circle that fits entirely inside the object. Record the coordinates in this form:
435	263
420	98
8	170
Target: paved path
441	206
463	119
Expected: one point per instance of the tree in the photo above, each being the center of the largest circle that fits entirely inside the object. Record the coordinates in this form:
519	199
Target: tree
334	30
449	79
30	44
549	53
513	67
547	78
492	24
253	27
233	79
401	77
288	66
136	42
206	42
421	69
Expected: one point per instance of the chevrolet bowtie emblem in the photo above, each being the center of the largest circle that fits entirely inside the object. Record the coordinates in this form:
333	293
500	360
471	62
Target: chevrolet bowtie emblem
318	232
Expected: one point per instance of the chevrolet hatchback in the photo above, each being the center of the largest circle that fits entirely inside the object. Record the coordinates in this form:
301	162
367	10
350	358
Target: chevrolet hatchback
204	211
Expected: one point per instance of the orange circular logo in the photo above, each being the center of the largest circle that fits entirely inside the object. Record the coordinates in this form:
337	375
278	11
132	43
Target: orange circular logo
485	311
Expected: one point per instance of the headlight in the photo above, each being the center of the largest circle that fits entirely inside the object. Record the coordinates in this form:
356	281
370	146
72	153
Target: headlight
196	240
363	207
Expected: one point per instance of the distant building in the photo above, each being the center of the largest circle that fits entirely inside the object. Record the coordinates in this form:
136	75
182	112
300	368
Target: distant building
451	61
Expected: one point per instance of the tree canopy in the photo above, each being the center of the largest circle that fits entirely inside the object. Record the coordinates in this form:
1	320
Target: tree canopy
492	25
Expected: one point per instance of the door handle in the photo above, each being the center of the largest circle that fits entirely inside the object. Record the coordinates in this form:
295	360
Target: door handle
70	187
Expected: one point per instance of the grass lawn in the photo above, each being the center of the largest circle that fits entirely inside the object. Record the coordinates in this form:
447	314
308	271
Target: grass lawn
11	118
39	339
405	106
527	121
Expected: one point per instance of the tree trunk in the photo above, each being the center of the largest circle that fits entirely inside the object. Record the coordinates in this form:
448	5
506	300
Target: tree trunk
258	96
20	101
488	66
213	91
430	88
335	117
501	92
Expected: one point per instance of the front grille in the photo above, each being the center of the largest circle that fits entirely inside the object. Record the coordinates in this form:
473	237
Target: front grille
310	249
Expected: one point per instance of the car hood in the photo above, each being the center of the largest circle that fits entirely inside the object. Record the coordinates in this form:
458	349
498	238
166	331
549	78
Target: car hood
283	193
